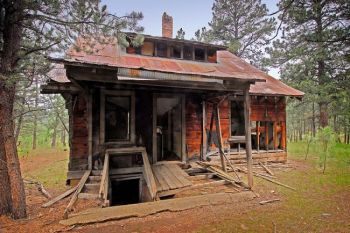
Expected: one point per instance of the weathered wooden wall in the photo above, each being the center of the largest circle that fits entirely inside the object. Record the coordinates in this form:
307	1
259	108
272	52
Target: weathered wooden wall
262	109
268	109
79	146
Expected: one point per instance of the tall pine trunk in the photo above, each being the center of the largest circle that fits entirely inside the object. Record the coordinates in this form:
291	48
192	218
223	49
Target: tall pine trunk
54	133
313	120
11	35
35	123
15	183
5	197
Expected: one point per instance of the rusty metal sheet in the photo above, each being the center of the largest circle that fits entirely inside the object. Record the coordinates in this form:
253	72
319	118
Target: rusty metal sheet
228	66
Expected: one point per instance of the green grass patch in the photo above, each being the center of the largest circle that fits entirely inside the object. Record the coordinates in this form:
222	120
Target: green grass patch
318	205
48	166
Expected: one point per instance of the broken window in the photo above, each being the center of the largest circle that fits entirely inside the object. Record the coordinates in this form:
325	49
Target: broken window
199	54
117	118
188	52
212	55
147	48
237	118
175	51
162	50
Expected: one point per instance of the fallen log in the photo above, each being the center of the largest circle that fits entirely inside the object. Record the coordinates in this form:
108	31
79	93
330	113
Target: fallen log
267	169
268	201
60	197
39	186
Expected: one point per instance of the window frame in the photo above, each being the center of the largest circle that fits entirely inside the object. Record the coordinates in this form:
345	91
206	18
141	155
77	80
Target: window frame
131	95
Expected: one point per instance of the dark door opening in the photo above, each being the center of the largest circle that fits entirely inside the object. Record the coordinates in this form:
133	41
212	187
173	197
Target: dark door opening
169	128
125	192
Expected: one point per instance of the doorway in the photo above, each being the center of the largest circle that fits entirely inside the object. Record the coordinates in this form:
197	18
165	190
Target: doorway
168	131
127	191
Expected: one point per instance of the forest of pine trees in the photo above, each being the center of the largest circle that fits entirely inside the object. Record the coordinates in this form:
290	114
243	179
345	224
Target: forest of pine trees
307	40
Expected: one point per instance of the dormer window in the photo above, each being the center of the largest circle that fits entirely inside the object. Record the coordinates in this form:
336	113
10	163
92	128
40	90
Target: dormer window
190	50
175	51
199	54
162	50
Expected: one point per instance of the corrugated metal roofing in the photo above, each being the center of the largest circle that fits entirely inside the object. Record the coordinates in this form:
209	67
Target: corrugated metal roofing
228	66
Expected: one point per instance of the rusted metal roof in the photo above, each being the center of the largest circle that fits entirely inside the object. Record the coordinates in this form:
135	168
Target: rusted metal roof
228	67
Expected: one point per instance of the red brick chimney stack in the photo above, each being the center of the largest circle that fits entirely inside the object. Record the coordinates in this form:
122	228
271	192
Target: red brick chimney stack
167	26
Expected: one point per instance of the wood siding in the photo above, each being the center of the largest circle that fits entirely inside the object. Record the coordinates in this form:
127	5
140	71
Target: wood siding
79	145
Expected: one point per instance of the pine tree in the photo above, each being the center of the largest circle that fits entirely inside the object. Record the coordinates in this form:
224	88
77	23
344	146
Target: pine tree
313	51
37	28
244	26
180	34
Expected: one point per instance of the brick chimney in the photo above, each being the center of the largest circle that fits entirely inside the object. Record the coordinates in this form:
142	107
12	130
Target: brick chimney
167	26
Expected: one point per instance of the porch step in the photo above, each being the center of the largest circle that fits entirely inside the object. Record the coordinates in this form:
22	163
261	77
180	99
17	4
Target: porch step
90	196
92	188
94	179
96	172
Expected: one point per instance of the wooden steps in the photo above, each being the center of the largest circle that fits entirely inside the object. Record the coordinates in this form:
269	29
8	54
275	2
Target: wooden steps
92	186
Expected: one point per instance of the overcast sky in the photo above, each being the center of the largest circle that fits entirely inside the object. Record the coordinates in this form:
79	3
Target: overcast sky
190	15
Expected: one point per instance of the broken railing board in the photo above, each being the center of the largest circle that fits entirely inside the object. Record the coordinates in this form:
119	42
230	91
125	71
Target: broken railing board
223	175
59	197
96	215
267	169
269	201
76	193
197	186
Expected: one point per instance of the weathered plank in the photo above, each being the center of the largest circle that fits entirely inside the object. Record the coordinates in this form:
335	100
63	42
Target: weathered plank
151	183
173	184
143	209
59	197
77	191
163	184
179	174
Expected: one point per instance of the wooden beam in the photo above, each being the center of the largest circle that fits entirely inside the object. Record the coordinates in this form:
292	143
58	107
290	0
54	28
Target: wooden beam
219	136
283	136
148	174
204	132
154	129
266	135
183	129
210	129
258	135
275	135
248	136
59	197
75	195
89	112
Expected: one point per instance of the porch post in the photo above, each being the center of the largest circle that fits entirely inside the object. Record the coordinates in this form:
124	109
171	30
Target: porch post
89	112
248	136
204	132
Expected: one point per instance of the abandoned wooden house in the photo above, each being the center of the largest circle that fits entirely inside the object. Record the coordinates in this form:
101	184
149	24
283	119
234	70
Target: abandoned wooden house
131	109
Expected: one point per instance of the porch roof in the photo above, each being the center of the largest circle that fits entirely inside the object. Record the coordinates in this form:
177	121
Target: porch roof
228	67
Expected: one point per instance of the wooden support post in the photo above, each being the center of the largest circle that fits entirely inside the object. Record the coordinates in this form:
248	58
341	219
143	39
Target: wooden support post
267	135
219	136
275	135
248	136
204	132
258	135
89	112
210	129
284	135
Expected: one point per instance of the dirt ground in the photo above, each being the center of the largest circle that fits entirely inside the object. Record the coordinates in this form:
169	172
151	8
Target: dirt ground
316	206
